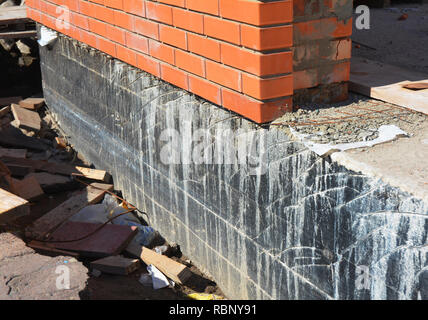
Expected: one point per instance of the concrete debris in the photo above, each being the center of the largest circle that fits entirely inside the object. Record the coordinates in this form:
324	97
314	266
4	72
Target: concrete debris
357	120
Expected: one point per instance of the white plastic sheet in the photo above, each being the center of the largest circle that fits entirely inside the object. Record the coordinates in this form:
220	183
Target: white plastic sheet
386	133
47	36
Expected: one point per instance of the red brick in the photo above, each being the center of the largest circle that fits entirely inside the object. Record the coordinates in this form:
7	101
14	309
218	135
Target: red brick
256	63
270	88
222	29
223	75
305	79
88	38
124	20
257	13
190	62
267	38
80	20
205	89
148	64
104	14
106	46
97	26
188	20
115	34
321	29
179	3
173	36
206	6
137	42
147	28
135	7
260	112
338	73
116	4
162	51
175	76
204	46
158	12
126	55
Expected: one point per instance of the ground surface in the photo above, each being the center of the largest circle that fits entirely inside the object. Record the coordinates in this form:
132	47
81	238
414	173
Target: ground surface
26	275
398	42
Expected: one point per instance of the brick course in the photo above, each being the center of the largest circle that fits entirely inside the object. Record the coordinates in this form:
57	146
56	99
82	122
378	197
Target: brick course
235	53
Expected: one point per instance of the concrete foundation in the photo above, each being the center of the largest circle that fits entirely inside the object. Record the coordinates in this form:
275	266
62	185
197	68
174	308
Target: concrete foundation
283	224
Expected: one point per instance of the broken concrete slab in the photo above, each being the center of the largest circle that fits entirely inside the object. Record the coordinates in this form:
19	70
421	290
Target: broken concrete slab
110	240
116	265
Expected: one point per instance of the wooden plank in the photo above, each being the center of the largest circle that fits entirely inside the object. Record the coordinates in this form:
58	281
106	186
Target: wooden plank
45	225
27	188
4	111
14	153
46	249
385	82
12	206
18	34
110	240
32	103
18	170
26	119
52	183
9	100
172	269
14	138
60	168
116	265
14	14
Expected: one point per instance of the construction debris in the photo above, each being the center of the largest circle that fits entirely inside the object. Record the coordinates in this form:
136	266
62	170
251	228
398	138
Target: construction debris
36	162
12	207
110	240
116	265
172	269
32	103
26	119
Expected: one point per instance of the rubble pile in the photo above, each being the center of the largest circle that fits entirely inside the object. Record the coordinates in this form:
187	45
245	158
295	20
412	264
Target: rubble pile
61	206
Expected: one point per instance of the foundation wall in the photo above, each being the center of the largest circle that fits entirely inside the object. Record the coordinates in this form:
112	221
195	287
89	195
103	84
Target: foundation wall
282	224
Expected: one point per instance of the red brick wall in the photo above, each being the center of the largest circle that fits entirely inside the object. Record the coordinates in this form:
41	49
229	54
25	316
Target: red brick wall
322	43
235	53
